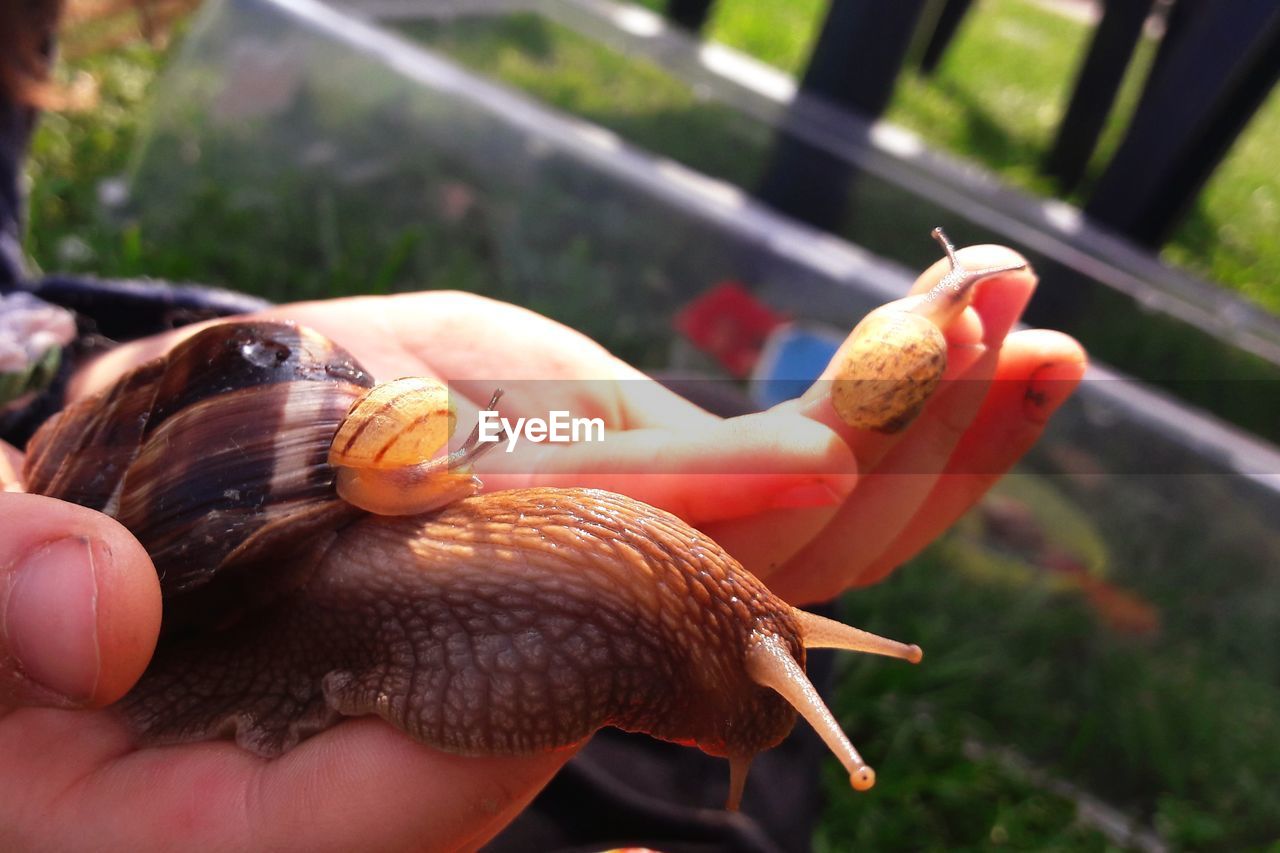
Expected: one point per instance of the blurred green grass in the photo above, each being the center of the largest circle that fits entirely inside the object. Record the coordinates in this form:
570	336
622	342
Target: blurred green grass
73	152
996	99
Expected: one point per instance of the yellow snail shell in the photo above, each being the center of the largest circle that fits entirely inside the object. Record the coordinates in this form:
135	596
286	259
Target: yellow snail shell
889	367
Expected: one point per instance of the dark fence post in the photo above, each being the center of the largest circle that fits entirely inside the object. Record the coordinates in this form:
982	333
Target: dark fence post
860	51
1095	89
690	15
1175	24
1224	60
944	30
854	65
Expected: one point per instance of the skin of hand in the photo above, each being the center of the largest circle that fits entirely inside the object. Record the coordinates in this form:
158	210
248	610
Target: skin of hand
808	504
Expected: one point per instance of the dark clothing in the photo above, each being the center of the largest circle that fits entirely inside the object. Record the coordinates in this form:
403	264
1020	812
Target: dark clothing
15	131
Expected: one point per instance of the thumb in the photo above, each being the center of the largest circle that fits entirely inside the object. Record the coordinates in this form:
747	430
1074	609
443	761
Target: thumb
79	605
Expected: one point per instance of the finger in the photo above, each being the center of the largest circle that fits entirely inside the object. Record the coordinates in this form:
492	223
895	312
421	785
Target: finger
964	348
725	469
997	303
398	792
79	605
766	543
887	497
1000	300
1038	371
770	544
359	786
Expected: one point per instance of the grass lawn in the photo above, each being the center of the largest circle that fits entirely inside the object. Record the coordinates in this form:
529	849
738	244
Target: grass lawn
72	153
996	99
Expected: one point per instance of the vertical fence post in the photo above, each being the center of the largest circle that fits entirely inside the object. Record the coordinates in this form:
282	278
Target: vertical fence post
1223	63
860	51
855	64
1095	89
944	30
690	15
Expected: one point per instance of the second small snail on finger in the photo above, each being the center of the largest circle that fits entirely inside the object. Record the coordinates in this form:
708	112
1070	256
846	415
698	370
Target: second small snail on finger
320	557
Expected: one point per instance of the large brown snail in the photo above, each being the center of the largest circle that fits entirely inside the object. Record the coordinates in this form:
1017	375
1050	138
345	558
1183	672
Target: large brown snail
321	555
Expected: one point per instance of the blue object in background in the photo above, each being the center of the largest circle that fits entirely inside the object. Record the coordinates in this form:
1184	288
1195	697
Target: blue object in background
794	355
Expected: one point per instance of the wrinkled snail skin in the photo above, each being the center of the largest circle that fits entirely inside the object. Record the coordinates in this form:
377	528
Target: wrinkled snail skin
894	359
507	623
504	623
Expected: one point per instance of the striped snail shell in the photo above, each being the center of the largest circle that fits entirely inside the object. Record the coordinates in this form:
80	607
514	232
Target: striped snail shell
398	423
385	451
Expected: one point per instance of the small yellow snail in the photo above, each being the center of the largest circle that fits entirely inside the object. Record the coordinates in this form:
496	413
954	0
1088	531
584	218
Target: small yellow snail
893	360
385	450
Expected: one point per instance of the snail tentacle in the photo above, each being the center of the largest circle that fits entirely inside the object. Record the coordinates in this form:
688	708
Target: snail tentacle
739	767
819	632
770	664
946	299
894	359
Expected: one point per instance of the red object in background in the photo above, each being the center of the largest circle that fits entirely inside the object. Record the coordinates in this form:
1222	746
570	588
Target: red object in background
729	324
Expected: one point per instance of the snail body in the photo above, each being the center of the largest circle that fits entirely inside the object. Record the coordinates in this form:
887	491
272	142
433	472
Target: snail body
501	623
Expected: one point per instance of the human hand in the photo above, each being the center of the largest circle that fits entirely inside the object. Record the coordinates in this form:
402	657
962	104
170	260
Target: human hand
832	527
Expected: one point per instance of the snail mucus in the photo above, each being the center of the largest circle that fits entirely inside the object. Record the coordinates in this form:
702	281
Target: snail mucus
322	555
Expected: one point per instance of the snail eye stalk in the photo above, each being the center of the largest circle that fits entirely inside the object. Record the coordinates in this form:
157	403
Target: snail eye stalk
472	449
818	632
770	664
948	297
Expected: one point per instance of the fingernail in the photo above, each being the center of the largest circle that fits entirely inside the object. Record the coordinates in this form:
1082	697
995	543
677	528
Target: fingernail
1049	387
51	617
807	496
